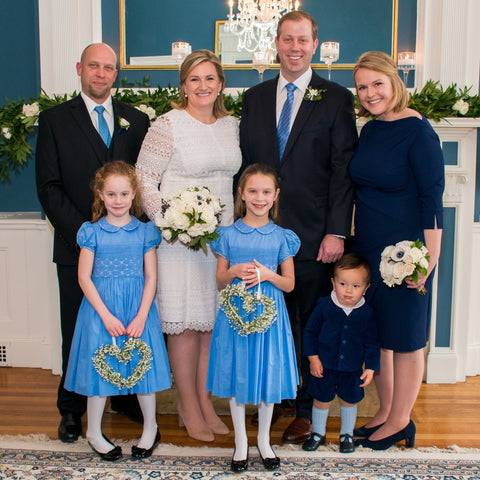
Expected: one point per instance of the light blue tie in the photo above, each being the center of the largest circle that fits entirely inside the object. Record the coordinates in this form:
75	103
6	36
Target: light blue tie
283	127
102	126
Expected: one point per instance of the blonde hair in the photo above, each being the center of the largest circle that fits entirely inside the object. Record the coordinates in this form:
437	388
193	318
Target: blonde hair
122	169
383	63
240	208
192	61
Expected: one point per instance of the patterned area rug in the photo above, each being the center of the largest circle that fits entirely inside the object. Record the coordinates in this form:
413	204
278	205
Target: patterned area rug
45	459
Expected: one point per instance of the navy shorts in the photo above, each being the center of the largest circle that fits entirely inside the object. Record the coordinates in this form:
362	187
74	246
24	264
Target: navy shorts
345	385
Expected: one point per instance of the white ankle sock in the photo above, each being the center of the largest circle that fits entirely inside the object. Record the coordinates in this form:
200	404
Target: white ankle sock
265	411
237	411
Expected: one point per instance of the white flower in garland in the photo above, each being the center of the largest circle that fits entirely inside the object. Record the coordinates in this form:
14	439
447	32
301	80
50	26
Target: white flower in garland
148	110
30	110
6	133
461	106
250	302
123	355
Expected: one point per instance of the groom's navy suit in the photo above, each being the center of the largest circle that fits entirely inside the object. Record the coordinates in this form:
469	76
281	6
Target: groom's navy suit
69	152
316	194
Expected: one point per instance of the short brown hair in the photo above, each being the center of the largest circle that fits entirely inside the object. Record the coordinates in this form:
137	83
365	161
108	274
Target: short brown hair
351	261
192	61
296	16
122	169
240	209
383	63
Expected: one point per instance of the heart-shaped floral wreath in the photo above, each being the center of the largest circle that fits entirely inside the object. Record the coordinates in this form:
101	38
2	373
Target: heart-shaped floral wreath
249	302
123	355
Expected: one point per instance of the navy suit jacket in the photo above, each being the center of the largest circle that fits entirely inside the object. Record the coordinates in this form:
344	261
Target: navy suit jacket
316	194
69	152
343	342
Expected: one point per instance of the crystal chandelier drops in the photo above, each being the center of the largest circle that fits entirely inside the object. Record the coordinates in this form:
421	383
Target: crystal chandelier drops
256	21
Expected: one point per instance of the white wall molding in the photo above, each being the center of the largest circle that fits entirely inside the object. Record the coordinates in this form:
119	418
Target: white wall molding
66	28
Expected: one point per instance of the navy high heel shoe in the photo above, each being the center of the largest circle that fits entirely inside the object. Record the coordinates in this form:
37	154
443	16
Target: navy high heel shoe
407	434
365	431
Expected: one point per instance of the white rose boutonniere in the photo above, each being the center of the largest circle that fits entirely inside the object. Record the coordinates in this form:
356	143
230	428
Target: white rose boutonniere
124	123
313	94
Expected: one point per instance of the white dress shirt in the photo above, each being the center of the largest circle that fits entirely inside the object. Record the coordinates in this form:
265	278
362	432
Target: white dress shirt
107	113
302	84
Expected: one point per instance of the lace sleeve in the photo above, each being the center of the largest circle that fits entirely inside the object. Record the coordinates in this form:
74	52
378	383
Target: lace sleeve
152	162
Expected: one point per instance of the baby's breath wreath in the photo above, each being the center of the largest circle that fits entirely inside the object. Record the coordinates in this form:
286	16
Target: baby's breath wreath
123	355
261	324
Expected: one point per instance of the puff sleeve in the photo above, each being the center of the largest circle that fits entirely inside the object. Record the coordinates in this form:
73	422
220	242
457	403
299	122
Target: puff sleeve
86	237
220	245
152	237
289	246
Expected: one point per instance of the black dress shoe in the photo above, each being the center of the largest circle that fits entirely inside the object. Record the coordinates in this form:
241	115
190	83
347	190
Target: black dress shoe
138	452
238	465
407	434
313	442
270	463
114	454
127	405
365	431
346	443
70	428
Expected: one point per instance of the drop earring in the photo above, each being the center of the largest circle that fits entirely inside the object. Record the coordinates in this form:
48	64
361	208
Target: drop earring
185	94
219	92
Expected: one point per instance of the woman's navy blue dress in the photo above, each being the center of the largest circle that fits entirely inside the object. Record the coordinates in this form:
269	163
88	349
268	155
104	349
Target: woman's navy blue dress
398	172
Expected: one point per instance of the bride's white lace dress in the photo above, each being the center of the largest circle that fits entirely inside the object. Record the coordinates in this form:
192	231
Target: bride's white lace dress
180	151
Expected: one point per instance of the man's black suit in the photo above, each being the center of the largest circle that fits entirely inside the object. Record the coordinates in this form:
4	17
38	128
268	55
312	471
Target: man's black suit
316	195
69	152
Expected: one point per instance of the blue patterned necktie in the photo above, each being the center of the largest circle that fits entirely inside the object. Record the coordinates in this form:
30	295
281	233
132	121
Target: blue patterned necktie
102	126
283	127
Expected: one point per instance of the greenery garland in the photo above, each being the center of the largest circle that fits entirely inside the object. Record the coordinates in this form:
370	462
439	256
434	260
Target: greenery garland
19	117
249	302
123	355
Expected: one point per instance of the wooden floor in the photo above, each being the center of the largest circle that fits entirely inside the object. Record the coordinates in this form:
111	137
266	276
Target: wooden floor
444	414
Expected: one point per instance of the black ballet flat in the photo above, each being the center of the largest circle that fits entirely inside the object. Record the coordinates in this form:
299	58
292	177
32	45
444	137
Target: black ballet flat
365	431
270	463
237	466
114	454
407	434
138	452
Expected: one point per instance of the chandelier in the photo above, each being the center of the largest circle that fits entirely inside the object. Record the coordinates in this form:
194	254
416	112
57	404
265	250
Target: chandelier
256	21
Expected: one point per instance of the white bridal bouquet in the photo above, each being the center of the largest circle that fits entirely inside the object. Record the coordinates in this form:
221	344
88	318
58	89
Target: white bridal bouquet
405	259
191	215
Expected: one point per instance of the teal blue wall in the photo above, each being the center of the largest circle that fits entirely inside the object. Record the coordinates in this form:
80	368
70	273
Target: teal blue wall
20	78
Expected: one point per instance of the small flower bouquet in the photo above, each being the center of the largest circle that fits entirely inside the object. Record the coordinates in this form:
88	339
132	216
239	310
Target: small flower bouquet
405	259
191	215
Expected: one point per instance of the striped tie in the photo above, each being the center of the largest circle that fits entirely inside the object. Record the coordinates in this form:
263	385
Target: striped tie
102	126
283	127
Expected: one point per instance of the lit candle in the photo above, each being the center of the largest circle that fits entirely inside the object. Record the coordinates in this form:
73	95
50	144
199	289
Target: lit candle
181	49
297	4
406	60
230	3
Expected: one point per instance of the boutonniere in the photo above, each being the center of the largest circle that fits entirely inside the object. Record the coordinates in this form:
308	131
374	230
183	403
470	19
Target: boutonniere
124	123
313	94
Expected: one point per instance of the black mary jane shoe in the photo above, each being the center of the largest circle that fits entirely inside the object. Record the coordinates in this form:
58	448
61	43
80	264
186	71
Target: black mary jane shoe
313	442
365	431
346	443
114	454
270	463
138	452
407	434
237	466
